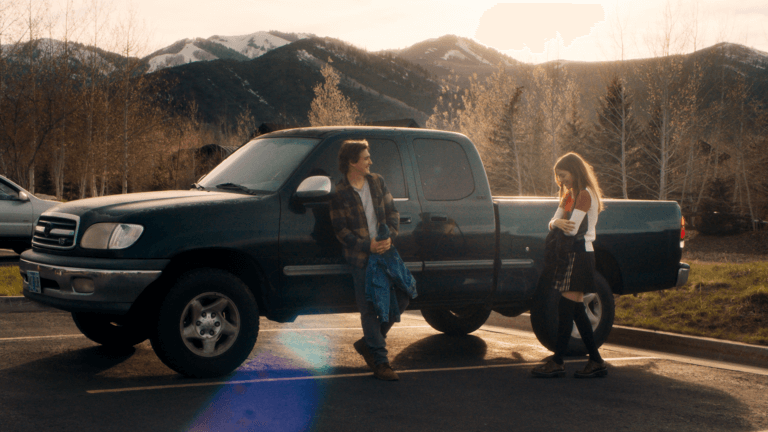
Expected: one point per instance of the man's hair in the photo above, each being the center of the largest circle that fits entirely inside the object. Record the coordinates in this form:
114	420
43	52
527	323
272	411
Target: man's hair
350	153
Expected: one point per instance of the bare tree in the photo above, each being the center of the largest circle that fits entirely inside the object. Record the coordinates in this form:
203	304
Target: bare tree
132	83
446	112
750	160
245	124
555	93
94	98
666	104
10	24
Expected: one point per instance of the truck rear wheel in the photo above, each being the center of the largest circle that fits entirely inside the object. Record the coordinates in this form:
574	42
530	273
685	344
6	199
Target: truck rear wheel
110	331
600	310
207	325
457	321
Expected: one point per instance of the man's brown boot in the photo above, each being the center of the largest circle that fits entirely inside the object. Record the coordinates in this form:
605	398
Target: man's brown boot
384	372
363	350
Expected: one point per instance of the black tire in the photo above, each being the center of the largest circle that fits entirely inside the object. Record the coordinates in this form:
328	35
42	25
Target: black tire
457	321
216	303
600	308
110	331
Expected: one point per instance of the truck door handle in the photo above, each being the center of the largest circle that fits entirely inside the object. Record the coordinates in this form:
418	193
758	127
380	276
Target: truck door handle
439	218
405	220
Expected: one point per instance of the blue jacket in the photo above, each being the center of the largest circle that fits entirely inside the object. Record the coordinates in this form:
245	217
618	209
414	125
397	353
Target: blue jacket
386	272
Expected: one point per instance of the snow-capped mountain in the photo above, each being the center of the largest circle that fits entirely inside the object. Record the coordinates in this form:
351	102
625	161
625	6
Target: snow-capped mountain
741	54
79	58
278	85
243	47
461	55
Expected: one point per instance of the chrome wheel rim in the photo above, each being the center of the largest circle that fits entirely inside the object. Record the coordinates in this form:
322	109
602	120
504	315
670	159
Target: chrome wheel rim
594	308
210	324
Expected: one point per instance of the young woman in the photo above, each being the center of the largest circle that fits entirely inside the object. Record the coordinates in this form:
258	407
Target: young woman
576	216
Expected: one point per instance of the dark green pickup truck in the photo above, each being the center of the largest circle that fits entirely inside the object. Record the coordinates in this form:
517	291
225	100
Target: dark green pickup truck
193	270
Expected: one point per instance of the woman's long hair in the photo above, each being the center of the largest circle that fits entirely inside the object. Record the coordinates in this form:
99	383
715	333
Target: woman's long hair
583	176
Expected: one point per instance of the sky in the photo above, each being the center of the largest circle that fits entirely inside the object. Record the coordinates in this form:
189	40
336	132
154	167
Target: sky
529	31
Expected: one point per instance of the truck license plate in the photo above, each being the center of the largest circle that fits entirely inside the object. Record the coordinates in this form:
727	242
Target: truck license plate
34	281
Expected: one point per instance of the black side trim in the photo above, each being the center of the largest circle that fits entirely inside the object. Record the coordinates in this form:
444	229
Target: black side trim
80	305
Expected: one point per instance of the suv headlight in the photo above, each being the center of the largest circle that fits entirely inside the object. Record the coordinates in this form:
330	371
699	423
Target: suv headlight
111	236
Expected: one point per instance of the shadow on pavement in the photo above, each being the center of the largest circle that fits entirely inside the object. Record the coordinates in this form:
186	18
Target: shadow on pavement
51	393
439	351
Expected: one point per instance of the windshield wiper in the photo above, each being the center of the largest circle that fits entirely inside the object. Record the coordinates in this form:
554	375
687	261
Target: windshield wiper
241	188
198	187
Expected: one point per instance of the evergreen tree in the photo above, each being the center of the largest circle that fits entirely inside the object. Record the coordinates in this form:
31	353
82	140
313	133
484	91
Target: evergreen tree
508	139
577	135
614	145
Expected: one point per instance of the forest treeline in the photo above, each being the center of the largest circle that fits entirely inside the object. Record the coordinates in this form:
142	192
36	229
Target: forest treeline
78	122
700	143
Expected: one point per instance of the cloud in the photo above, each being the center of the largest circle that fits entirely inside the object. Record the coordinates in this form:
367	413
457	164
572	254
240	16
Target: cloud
517	25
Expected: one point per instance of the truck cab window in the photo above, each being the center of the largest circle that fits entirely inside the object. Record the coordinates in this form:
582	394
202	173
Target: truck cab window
444	170
386	162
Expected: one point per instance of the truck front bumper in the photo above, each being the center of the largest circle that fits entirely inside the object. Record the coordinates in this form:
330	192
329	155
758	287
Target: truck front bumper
682	274
87	285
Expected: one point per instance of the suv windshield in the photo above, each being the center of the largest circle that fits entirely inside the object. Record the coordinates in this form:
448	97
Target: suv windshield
262	165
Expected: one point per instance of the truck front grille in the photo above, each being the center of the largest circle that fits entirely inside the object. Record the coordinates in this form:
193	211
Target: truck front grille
56	231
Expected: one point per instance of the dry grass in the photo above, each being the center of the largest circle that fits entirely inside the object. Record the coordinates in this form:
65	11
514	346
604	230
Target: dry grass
721	257
10	281
721	300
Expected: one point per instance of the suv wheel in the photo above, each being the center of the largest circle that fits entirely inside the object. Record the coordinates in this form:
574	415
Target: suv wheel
207	325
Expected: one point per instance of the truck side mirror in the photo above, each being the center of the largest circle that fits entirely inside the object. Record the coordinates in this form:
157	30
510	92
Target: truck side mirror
314	189
23	196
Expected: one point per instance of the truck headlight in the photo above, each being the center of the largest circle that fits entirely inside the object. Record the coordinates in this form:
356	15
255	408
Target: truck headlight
111	236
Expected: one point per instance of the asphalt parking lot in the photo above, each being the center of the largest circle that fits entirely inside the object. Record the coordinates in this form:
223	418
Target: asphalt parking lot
306	376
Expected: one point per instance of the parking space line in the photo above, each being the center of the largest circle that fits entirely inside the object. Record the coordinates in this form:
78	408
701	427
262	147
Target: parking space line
21	338
332	328
354	375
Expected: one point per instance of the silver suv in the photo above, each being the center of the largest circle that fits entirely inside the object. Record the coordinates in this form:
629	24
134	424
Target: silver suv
19	211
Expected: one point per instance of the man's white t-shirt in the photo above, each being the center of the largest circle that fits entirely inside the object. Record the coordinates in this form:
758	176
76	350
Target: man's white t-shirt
370	212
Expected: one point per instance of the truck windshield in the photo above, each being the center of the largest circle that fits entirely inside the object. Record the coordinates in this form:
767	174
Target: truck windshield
262	165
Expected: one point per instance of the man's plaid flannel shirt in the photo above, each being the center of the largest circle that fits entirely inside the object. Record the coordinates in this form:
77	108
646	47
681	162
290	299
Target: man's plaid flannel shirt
349	222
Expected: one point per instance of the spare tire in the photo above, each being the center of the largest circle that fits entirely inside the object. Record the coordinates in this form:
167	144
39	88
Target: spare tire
457	321
600	310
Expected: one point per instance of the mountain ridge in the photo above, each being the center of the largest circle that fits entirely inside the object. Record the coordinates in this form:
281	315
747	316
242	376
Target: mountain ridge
234	73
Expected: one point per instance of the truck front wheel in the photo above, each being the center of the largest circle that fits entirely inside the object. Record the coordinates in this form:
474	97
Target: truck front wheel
207	325
600	310
110	331
457	321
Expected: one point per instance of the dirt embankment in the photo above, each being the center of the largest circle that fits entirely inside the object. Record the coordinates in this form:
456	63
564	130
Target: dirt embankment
744	247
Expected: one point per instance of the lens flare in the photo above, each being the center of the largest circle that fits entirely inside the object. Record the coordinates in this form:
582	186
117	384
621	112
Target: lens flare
289	405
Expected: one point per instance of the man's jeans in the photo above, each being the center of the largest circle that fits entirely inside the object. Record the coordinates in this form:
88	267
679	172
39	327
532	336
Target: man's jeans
374	331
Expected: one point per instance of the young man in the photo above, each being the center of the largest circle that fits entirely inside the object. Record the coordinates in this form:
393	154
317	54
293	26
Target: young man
362	202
